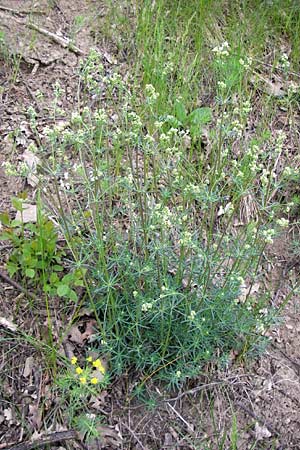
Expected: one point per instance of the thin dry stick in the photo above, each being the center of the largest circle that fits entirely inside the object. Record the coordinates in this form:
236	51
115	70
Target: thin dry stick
52	438
134	435
196	389
189	426
63	42
16	285
21	11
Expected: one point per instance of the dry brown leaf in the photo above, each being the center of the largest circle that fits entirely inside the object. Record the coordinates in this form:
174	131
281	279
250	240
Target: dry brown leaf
245	291
261	432
97	374
35	416
108	437
29	364
31	159
25	128
8	324
274	88
36	435
75	335
21	140
32	179
29	213
89	330
99	401
8	415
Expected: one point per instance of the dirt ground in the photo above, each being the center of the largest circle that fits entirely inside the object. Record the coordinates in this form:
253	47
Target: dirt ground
263	396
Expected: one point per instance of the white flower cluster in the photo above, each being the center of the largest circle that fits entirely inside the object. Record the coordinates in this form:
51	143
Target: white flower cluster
222	50
58	90
115	80
100	115
10	169
246	108
293	88
221	85
129	177
289	172
64	183
21	170
237	128
237	279
76	118
265	177
135	120
162	216
192	189
268	236
284	63
282	222
147	306
192	315
229	208
253	154
246	62
281	137
168	68
186	239
151	94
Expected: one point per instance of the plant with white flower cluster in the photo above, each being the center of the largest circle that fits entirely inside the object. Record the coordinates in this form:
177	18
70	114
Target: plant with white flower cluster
154	219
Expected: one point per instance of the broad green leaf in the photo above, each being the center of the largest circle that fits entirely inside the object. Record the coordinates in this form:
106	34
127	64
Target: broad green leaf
72	295
68	278
30	273
15	223
5	236
53	278
200	116
4	218
62	290
46	288
17	203
180	111
12	269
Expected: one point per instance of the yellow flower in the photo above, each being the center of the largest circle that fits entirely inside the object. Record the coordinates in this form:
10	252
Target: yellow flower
94	380
82	380
78	370
98	364
73	360
89	359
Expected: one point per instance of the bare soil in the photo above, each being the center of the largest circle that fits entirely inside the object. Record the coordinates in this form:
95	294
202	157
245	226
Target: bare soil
263	396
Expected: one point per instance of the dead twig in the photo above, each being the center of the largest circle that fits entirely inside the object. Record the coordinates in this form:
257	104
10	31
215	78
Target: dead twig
52	438
193	391
21	11
63	42
134	435
30	93
188	425
16	285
